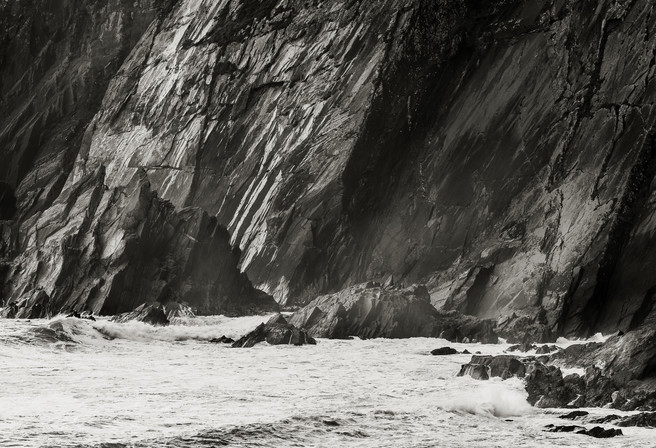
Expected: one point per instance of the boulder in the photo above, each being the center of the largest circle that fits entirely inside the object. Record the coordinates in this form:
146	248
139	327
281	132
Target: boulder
574	415
597	431
601	433
644	419
277	331
371	311
149	313
503	366
523	347
444	351
222	340
544	349
476	371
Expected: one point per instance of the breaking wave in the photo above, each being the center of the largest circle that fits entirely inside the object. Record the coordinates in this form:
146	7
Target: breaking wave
68	332
492	398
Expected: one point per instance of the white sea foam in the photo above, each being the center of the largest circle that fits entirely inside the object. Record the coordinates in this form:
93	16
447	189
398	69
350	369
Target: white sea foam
183	329
145	387
597	337
494	398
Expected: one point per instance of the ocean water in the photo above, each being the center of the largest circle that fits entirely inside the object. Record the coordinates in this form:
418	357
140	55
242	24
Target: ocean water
74	383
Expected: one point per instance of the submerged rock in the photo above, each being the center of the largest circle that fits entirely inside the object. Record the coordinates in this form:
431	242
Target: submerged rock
276	331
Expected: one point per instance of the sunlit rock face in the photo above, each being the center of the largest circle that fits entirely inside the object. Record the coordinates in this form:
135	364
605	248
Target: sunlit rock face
499	152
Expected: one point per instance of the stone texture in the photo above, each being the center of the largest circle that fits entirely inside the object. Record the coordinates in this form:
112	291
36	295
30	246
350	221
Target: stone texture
372	311
502	153
443	351
149	313
277	331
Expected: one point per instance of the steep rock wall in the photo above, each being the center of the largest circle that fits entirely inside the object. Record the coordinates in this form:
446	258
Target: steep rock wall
501	152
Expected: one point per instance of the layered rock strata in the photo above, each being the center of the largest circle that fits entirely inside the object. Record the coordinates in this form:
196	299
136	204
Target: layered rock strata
500	152
372	311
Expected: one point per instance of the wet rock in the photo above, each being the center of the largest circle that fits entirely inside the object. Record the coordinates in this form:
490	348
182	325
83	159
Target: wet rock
444	351
476	371
140	248
276	331
319	150
563	428
503	366
524	347
606	419
149	313
601	433
546	349
85	315
222	340
644	419
370	311
545	386
597	431
574	415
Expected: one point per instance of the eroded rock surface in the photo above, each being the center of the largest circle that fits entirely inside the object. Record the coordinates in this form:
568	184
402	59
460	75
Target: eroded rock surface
502	153
148	313
373	311
277	331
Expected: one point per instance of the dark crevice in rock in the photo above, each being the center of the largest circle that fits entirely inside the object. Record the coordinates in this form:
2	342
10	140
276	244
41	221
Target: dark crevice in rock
630	205
645	309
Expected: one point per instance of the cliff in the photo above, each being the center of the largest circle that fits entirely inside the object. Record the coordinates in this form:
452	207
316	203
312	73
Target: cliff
502	153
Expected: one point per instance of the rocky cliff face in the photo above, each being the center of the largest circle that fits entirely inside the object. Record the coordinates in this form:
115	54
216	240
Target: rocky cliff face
500	152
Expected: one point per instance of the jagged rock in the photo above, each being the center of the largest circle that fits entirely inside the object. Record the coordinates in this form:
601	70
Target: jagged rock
644	419
336	143
457	327
597	431
546	349
476	371
222	340
84	315
601	433
444	351
140	248
149	313
524	347
276	331
370	311
563	428
504	366
574	415
175	310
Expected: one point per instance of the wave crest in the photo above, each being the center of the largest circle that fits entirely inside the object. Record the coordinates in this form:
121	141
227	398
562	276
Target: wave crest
492	398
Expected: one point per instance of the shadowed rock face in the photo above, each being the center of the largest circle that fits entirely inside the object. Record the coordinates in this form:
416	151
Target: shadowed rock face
372	311
277	331
500	152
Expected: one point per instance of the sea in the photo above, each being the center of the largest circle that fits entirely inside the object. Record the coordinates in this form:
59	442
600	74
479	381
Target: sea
68	382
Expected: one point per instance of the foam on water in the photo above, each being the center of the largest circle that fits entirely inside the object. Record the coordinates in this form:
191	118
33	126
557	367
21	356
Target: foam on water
493	398
71	383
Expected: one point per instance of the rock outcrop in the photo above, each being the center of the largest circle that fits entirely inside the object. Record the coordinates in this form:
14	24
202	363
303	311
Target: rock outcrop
372	311
277	331
148	313
502	153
